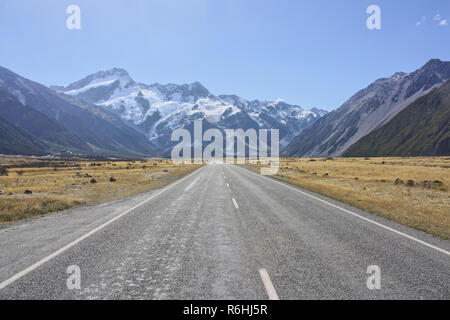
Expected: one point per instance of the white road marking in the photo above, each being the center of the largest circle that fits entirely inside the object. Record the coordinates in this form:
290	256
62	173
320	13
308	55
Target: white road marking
228	185
235	203
191	184
75	242
268	285
357	215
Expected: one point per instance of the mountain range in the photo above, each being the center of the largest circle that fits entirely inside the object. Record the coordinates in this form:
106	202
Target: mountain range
156	110
109	114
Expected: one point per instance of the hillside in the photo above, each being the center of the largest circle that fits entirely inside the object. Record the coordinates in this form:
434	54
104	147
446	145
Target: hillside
66	122
14	140
421	129
367	110
38	124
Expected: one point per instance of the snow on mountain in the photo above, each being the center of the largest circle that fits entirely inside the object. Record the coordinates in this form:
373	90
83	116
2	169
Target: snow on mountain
156	110
90	86
57	123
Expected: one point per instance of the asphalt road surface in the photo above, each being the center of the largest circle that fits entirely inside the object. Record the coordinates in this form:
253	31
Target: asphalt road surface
223	232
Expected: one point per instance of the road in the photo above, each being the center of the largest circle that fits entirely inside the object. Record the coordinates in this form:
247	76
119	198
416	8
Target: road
223	232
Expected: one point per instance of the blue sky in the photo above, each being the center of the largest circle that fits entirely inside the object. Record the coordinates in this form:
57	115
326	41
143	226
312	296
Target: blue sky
312	53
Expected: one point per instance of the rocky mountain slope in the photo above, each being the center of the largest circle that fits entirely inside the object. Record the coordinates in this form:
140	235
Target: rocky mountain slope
15	140
421	129
367	110
64	123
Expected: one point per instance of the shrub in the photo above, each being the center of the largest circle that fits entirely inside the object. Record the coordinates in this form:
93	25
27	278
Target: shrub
3	171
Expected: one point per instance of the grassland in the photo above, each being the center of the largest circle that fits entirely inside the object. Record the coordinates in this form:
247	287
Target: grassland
62	184
369	184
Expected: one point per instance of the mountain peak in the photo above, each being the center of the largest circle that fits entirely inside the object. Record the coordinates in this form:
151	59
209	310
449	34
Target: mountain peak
320	112
435	65
197	89
398	75
118	74
196	86
116	71
433	62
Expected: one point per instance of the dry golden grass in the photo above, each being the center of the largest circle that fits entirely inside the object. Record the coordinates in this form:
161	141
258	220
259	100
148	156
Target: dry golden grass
70	184
369	184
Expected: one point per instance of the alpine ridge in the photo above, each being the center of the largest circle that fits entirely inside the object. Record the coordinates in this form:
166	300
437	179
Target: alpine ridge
421	129
156	110
367	110
63	124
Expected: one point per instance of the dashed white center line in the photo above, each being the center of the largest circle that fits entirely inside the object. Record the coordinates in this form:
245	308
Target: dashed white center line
235	203
268	285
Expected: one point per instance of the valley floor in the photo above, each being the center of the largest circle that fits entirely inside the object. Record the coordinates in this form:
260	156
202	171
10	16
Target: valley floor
370	184
411	191
62	184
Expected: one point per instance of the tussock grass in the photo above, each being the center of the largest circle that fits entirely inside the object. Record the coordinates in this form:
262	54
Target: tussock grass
368	184
14	209
60	185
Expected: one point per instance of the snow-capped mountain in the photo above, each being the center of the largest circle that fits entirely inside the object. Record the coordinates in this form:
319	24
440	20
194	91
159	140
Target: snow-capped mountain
37	120
367	110
156	110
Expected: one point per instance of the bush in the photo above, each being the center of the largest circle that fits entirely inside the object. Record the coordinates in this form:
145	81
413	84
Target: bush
3	171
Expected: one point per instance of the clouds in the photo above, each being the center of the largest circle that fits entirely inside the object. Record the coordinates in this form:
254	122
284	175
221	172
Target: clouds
421	21
437	20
